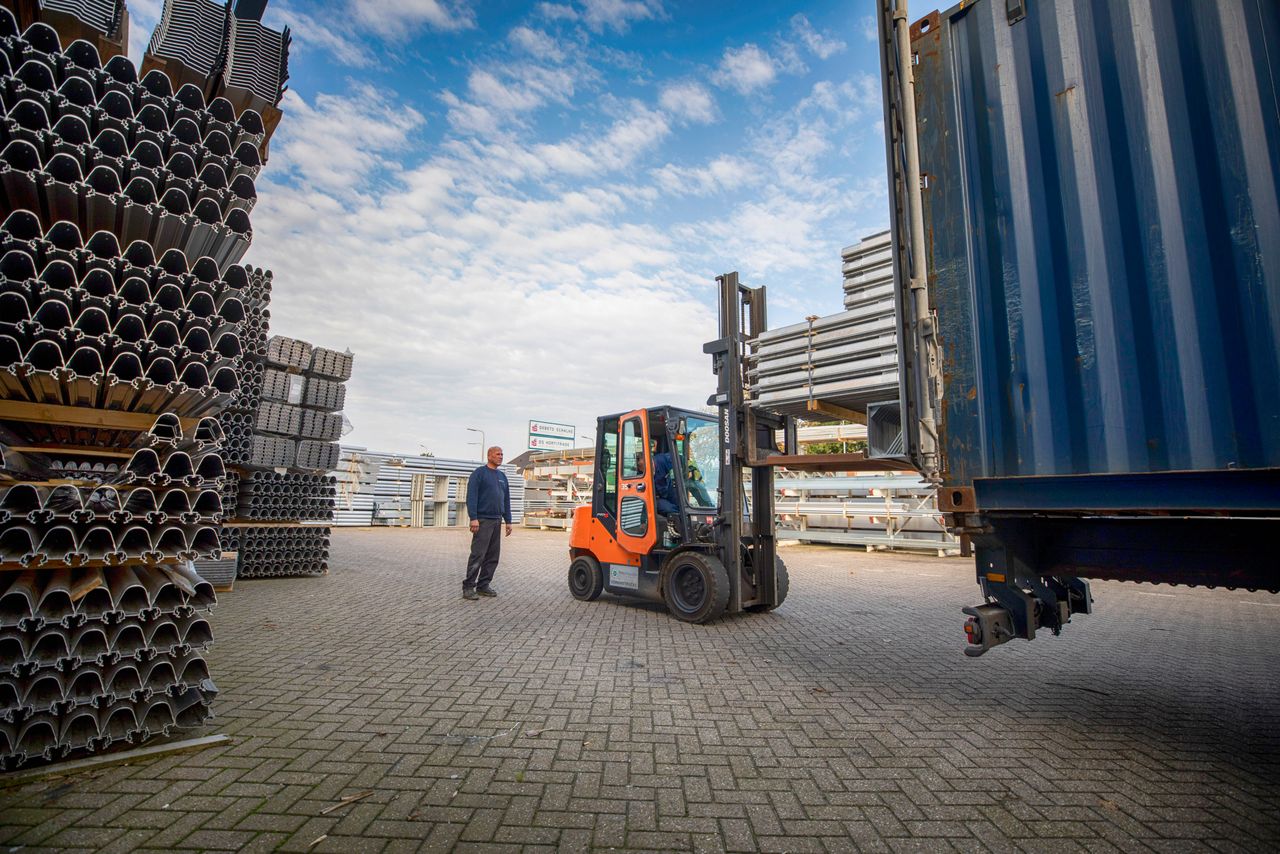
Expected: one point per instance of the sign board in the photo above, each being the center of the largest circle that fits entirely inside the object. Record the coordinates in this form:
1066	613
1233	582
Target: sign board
549	443
550	428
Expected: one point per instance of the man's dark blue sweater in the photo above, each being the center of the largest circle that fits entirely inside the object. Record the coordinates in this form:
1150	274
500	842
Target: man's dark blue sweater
488	495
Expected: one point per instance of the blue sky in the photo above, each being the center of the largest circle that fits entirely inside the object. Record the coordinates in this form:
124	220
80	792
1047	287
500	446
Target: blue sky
513	211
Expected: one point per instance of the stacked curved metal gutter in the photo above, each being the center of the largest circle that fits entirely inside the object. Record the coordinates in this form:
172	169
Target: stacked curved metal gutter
375	488
227	51
90	658
102	629
848	359
88	325
126	204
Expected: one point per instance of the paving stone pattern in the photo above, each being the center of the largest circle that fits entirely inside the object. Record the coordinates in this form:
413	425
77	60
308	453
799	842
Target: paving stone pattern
848	720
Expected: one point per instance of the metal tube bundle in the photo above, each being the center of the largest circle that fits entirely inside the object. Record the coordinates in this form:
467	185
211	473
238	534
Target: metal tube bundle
269	552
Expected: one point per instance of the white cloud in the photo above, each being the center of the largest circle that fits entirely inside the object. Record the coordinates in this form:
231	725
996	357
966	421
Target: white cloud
745	69
618	14
399	19
689	100
326	31
335	143
143	17
869	29
537	43
721	174
823	45
558	11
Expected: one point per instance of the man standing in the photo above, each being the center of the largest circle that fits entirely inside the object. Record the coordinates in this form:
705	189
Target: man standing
488	505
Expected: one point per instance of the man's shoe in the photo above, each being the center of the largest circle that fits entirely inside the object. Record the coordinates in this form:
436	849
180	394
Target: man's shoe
486	591
469	594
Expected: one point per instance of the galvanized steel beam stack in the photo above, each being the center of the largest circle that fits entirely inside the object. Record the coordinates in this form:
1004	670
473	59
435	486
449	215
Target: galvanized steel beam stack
286	437
846	360
126	204
376	488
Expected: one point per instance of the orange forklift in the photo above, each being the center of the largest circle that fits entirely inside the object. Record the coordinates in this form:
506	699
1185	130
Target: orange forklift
670	519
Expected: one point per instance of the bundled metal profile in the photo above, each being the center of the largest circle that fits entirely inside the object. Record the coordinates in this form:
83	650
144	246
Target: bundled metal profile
272	496
378	488
269	552
827	367
97	657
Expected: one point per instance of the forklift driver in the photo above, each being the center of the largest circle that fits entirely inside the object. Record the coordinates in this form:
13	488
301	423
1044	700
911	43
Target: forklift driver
664	485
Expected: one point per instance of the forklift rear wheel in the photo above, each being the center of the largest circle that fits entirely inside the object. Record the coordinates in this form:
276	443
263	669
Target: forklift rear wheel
585	578
696	587
784	584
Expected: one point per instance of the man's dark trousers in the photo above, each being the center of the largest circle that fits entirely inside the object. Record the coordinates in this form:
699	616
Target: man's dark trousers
486	546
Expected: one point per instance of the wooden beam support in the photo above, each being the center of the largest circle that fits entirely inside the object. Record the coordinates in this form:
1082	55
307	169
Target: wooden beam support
82	416
832	410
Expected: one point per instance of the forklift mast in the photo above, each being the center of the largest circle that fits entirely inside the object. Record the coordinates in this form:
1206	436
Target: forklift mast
746	541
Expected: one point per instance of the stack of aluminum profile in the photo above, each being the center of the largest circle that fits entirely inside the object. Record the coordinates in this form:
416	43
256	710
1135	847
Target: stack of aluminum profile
103	24
96	658
847	360
226	50
84	324
271	551
890	510
288	414
288	430
272	496
102	623
377	488
126	205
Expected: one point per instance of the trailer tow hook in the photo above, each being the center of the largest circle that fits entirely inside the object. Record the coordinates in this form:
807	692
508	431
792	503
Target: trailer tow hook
988	625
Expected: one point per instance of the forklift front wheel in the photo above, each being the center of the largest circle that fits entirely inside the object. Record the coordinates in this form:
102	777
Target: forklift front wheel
586	581
696	587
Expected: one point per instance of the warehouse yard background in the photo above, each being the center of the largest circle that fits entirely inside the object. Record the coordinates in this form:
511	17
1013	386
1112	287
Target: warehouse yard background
842	720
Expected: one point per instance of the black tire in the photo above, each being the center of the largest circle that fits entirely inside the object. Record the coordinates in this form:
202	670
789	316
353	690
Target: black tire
784	586
586	581
695	587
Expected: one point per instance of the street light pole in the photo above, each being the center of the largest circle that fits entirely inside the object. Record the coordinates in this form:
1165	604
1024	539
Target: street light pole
483	447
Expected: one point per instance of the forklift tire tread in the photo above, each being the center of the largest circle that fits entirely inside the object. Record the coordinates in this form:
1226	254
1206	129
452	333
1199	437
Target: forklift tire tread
586	579
695	587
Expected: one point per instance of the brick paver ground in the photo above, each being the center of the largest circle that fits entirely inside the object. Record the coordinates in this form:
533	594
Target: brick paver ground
847	720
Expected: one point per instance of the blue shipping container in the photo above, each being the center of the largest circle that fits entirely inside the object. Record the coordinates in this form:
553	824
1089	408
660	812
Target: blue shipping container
1102	214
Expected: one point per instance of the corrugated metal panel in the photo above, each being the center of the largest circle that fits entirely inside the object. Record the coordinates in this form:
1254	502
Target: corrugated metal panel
1104	230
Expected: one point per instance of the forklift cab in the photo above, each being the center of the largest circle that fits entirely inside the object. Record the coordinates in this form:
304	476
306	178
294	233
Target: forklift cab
651	529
